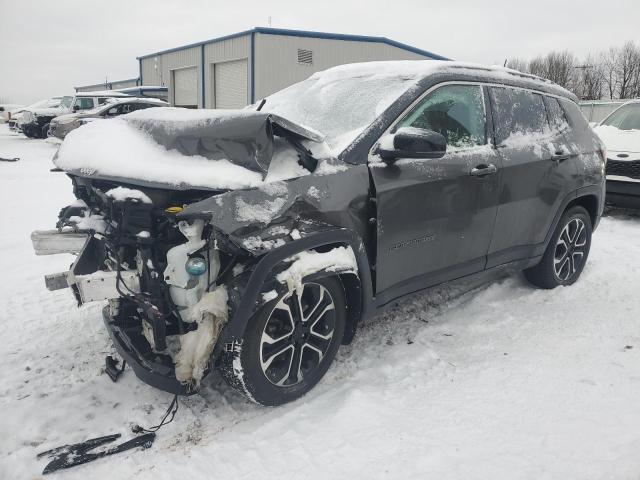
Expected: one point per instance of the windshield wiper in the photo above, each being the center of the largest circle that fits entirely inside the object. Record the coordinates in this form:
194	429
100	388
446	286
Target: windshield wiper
262	102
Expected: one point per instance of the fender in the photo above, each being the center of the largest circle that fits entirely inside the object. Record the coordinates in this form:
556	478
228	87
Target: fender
234	330
596	190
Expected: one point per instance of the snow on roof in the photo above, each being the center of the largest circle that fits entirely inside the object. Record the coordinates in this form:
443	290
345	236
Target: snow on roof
422	68
101	93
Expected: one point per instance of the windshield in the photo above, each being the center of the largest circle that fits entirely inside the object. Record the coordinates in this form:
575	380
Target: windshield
339	104
626	117
66	101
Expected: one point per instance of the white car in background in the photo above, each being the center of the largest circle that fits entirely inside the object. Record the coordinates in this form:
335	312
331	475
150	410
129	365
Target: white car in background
5	109
620	132
15	115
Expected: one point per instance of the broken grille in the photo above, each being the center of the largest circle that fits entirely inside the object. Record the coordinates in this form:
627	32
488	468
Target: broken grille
624	169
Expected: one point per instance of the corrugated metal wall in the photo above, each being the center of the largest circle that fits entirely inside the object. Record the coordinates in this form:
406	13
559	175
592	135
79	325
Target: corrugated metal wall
276	61
224	51
276	58
108	86
156	70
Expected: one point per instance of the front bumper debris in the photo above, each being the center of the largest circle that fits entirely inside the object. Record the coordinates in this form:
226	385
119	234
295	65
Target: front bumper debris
153	368
52	242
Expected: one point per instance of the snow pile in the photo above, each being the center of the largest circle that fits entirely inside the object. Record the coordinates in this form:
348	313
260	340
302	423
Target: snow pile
122	193
261	212
196	346
119	149
339	259
617	140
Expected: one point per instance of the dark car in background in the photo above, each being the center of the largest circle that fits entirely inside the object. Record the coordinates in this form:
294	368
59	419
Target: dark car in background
60	126
360	185
620	132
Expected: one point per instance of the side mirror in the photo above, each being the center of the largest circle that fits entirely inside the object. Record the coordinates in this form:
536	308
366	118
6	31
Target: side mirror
76	108
410	142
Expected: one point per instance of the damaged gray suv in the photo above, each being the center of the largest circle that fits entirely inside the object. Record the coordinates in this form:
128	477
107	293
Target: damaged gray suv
255	241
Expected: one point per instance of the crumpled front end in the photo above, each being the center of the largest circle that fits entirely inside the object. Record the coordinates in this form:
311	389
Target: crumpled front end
159	274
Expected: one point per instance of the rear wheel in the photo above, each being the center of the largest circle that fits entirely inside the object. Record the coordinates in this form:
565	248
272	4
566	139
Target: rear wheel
567	252
289	344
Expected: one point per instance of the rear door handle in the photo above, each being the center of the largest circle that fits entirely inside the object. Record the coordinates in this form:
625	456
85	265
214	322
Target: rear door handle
560	156
483	170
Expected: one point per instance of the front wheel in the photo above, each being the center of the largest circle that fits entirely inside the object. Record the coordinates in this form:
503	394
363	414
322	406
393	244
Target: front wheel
567	252
289	344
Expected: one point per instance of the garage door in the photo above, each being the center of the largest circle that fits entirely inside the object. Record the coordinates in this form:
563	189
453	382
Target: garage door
230	89
185	87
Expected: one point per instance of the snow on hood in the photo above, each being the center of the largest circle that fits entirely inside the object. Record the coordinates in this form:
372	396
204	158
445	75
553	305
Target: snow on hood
118	149
617	140
48	111
182	148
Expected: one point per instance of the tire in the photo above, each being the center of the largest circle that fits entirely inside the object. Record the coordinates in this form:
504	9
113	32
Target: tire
44	132
567	252
264	368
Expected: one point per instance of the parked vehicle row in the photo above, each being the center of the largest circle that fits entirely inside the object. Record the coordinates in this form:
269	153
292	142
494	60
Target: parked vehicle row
60	126
440	171
69	112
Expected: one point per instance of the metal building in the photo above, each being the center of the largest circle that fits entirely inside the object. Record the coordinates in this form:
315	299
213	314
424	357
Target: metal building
115	85
235	70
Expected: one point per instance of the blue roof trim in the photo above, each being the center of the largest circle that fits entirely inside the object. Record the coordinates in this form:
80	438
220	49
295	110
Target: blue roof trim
305	34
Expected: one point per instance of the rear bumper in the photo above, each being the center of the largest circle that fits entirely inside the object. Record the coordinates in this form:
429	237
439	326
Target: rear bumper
152	368
623	194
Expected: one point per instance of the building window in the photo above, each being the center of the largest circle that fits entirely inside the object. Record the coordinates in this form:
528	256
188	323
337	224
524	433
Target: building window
305	57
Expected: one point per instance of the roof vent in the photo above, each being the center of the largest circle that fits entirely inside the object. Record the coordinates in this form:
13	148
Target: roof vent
305	57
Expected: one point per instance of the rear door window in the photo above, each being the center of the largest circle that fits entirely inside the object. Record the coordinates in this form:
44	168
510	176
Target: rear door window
517	112
455	111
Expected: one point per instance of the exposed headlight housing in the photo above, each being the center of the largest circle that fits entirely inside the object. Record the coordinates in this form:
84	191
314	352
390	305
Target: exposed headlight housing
196	265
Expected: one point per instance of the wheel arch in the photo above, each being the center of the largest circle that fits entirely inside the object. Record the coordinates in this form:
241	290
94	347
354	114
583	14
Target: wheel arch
358	288
589	202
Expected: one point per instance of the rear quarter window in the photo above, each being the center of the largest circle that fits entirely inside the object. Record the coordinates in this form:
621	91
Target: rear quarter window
517	112
557	117
574	114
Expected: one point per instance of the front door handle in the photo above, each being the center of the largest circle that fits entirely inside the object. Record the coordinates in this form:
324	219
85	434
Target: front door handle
483	170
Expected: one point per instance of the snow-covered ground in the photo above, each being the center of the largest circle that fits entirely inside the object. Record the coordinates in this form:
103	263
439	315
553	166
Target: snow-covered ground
499	382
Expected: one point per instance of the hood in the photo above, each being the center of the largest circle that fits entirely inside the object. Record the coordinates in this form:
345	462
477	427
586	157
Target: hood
617	140
66	117
244	137
183	149
48	112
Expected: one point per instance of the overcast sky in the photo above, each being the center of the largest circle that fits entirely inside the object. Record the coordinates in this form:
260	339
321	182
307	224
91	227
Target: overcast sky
48	47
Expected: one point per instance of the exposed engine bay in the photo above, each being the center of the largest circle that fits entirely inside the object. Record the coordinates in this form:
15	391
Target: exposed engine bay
163	277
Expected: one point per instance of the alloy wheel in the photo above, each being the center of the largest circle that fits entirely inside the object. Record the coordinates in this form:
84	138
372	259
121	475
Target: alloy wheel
297	335
570	249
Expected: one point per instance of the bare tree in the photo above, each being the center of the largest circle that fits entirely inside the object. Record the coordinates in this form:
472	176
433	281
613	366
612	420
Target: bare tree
518	64
614	73
626	69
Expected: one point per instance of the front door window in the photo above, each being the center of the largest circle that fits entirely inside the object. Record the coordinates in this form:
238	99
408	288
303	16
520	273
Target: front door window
455	111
